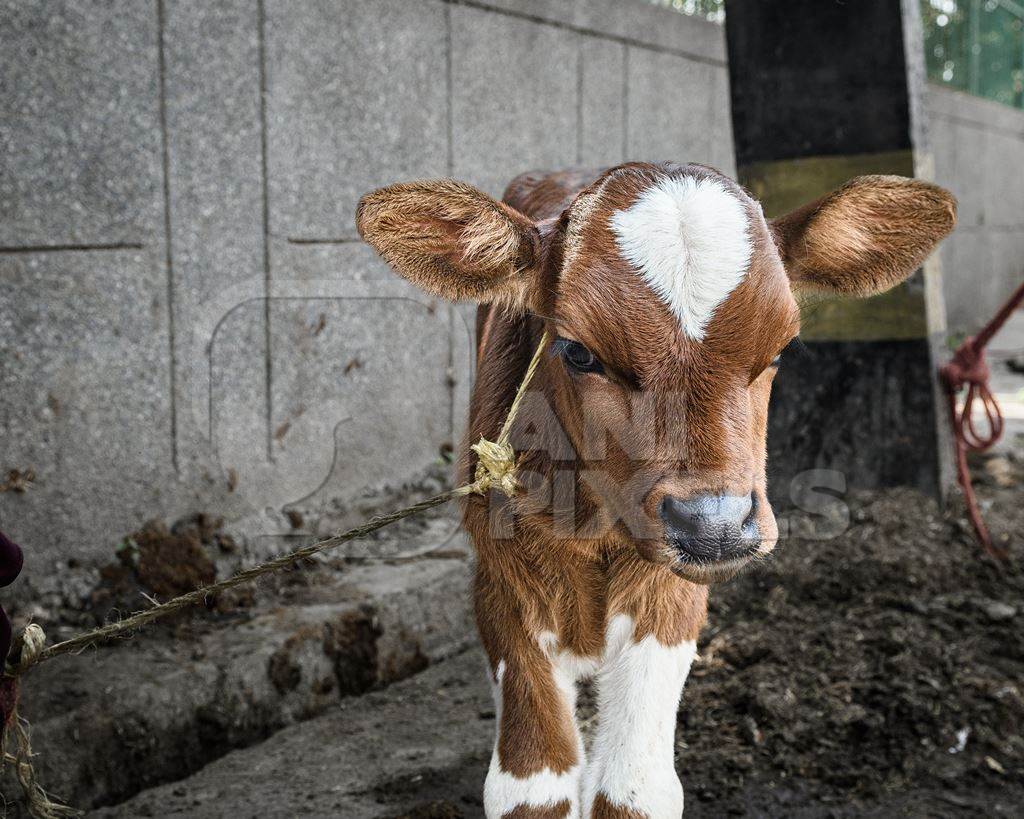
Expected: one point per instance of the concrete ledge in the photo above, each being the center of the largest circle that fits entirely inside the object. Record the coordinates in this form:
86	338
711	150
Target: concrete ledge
109	723
372	757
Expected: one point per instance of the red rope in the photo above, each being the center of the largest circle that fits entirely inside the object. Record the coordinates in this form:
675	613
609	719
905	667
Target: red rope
969	368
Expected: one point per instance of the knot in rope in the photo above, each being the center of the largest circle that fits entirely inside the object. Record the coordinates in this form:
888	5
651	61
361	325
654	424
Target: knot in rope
496	467
969	368
26	651
496	460
33	638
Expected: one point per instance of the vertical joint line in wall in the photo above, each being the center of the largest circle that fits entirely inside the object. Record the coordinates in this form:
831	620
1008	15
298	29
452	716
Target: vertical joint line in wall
712	120
625	103
267	358
165	161
450	120
579	100
449	375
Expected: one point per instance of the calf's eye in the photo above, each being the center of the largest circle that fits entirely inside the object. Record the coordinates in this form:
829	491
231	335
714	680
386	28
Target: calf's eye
795	346
577	357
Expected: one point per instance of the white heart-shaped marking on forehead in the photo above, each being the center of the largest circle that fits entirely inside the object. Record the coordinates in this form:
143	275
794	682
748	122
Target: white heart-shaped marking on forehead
689	240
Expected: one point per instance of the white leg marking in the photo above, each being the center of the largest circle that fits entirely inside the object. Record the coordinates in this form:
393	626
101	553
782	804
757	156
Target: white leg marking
632	757
503	791
688	239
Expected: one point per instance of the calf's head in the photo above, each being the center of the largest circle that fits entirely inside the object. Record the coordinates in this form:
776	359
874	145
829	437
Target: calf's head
670	298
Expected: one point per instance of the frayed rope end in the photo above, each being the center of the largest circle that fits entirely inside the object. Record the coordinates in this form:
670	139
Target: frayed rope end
27	650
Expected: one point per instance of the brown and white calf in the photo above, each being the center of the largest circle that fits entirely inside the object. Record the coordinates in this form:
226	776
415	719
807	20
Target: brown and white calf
668	298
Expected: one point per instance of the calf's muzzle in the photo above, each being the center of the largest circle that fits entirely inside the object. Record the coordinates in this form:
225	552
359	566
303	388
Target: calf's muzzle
706	529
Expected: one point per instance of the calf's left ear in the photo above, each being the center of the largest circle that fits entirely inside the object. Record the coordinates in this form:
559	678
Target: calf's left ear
865	237
451	240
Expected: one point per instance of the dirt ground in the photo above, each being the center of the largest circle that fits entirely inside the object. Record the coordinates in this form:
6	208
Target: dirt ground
879	670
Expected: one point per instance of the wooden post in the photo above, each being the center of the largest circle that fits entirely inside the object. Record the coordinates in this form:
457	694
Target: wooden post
824	91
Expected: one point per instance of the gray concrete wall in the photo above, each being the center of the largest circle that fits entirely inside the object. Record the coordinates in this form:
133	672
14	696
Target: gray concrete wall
978	148
187	319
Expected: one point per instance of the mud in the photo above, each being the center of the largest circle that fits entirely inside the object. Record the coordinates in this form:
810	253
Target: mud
160	561
845	672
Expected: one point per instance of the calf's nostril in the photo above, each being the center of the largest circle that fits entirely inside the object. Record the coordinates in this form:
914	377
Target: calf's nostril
751	509
673	513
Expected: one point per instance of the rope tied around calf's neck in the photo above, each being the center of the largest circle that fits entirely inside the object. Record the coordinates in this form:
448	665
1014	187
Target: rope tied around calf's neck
496	468
496	460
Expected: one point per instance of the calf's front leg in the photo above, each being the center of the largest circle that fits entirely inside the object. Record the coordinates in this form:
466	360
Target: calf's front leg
538	753
631	772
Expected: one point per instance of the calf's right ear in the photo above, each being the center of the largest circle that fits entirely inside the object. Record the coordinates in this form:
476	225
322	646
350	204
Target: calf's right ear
451	240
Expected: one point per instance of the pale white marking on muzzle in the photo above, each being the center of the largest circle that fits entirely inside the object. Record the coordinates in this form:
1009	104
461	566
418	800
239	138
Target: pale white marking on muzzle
689	240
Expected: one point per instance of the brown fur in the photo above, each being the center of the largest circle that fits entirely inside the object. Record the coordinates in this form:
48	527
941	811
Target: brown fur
547	739
557	811
450	239
866	236
603	809
582	541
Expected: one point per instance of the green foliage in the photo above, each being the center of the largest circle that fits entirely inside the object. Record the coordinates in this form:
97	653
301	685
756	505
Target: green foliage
976	46
713	10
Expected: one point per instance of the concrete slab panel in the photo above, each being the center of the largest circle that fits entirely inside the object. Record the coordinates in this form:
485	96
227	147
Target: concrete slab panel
943	101
601	102
1003	181
513	97
1007	249
79	123
975	143
357	99
359	368
216	216
966	275
635	21
943	146
85	377
670	111
971	186
721	153
231	424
